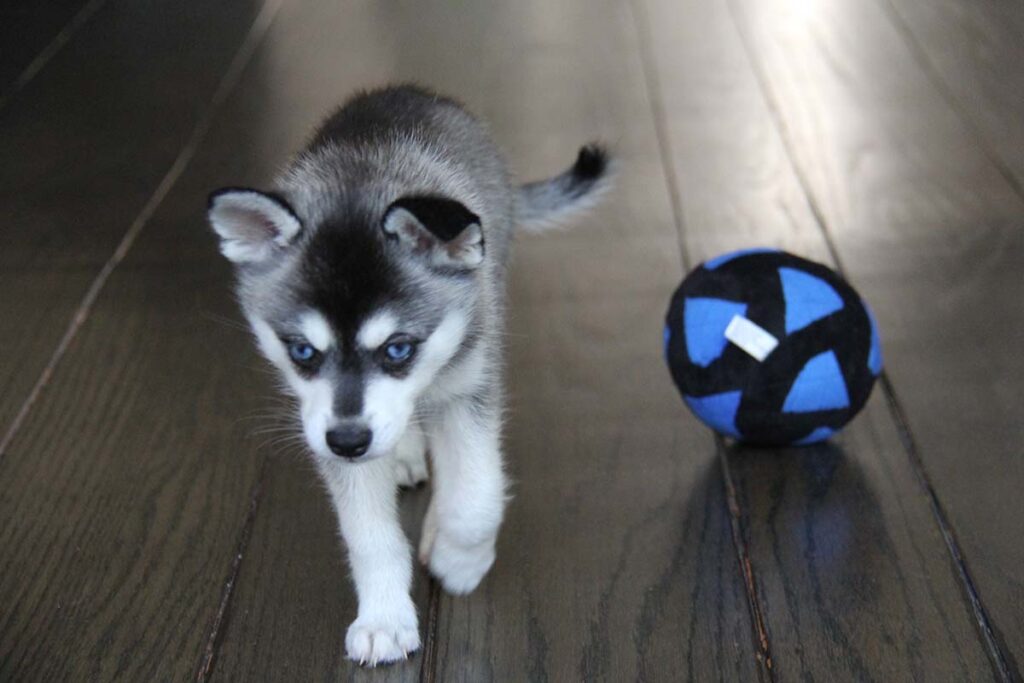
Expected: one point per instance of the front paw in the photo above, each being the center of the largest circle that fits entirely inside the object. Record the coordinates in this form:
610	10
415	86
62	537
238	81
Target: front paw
374	640
410	470
460	568
410	461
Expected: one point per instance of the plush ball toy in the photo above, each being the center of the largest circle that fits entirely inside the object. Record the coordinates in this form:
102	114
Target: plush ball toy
770	348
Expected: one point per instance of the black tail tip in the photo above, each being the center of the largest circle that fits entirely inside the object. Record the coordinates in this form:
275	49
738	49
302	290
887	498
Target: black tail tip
591	163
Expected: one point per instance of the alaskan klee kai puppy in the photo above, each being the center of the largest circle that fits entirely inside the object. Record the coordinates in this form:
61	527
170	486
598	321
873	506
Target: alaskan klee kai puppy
373	276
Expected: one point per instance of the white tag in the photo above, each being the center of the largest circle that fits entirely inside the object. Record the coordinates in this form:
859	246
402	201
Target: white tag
750	337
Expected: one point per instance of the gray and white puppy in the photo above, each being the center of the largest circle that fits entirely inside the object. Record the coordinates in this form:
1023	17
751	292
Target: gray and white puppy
373	276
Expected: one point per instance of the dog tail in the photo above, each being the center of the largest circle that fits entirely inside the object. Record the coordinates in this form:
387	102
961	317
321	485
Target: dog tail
551	203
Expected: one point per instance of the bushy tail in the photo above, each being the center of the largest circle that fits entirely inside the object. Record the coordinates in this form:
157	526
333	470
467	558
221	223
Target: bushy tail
553	202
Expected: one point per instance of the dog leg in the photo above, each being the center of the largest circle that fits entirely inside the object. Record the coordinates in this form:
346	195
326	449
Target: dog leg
461	525
364	496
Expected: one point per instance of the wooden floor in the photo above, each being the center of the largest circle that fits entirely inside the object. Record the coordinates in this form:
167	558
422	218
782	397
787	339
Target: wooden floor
149	531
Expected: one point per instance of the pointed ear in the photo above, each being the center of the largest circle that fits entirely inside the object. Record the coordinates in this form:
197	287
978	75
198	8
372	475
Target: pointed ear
252	225
442	230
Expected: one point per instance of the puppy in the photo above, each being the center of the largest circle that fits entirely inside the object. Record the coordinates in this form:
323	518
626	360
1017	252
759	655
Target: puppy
373	276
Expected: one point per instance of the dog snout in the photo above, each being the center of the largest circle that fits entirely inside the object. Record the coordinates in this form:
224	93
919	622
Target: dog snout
350	440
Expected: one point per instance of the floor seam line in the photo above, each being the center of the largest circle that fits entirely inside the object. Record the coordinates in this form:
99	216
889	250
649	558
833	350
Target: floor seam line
214	638
428	673
980	613
55	45
641	23
256	32
761	638
978	609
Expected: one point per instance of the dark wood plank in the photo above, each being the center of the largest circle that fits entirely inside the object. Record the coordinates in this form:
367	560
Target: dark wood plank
974	51
616	562
931	233
853	576
126	490
653	576
83	147
852	570
27	31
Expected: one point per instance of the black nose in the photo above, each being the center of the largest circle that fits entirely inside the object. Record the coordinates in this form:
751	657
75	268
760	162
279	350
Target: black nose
349	441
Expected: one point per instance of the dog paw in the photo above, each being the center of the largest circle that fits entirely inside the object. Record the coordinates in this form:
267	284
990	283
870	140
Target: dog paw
411	473
410	462
373	641
459	568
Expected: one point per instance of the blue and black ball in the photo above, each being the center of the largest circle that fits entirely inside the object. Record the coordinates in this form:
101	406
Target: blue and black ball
807	386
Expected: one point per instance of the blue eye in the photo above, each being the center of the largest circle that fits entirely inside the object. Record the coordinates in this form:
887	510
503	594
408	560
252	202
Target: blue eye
398	351
301	352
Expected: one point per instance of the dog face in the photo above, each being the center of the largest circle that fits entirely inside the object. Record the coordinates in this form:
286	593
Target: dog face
359	312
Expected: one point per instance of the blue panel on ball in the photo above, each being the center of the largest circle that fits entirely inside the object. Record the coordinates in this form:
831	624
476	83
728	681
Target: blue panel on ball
819	434
819	386
725	258
875	354
807	298
705	321
718	411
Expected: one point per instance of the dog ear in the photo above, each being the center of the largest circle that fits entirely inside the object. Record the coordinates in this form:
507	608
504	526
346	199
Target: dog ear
252	225
443	230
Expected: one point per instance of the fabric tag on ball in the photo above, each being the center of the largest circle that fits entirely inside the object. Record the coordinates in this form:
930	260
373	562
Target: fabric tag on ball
750	337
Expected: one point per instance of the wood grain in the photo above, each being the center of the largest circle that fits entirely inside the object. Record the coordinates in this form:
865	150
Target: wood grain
128	485
973	52
930	231
616	562
848	558
84	145
123	501
850	564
